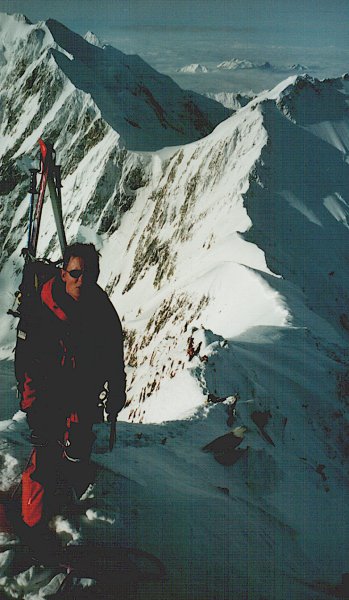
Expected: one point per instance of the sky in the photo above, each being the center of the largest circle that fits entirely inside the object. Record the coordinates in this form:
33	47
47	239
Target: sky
170	34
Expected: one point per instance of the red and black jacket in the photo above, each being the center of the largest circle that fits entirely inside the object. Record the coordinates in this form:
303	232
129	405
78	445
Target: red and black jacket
65	354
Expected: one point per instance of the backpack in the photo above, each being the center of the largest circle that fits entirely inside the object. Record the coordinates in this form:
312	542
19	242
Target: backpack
36	273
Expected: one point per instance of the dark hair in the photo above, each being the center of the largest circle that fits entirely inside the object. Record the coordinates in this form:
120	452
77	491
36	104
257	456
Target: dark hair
86	251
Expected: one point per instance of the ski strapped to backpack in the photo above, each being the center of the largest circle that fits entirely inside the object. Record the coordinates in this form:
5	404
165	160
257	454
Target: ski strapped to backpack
51	176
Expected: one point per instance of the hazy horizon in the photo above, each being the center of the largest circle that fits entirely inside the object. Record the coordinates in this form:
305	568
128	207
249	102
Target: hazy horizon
169	35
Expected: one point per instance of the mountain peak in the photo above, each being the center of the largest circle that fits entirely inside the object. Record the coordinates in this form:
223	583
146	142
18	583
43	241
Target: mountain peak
70	41
93	39
18	17
310	101
193	68
298	67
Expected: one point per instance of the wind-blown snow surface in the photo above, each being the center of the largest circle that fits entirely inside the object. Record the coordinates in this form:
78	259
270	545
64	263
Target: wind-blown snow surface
233	247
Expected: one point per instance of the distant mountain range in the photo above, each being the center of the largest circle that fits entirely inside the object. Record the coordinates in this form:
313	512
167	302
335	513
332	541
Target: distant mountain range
236	63
240	64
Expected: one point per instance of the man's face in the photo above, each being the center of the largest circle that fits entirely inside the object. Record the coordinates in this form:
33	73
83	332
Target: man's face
74	286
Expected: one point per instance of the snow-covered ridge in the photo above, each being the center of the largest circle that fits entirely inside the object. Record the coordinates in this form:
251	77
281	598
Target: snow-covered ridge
219	166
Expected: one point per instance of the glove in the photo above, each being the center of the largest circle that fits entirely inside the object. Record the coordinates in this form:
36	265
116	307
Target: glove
102	405
109	416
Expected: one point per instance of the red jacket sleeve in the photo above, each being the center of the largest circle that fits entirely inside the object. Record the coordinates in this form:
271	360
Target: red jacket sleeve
28	393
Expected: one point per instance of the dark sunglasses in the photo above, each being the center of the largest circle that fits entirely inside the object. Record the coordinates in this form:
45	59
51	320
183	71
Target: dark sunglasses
76	273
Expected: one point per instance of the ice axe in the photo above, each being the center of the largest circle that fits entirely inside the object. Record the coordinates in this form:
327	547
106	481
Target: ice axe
103	397
112	434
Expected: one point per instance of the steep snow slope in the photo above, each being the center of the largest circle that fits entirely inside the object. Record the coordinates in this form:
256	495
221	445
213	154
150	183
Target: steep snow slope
233	248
